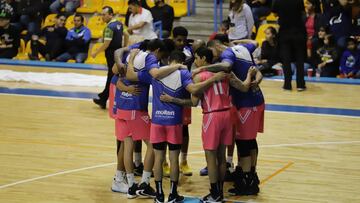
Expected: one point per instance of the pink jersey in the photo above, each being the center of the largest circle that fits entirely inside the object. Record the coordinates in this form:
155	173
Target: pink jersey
217	97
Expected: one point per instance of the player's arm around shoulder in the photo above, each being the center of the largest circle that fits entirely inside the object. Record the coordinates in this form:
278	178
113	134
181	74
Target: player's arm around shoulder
130	71
243	86
200	87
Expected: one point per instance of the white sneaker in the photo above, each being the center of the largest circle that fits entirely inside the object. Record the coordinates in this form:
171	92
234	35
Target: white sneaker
119	185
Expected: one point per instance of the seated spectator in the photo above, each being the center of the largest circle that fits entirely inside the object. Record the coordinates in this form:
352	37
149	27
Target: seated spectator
270	55
313	22
317	42
241	20
140	21
260	9
164	13
55	38
69	5
350	60
77	42
327	57
224	29
9	34
30	16
340	21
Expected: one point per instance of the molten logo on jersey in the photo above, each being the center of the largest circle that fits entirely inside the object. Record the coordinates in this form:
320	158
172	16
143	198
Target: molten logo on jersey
125	94
165	113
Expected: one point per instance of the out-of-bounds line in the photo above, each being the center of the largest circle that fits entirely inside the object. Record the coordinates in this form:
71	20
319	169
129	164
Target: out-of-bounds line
353	113
56	174
195	152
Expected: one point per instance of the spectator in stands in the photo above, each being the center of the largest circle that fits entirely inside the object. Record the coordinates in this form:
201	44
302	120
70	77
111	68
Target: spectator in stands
317	42
313	21
327	58
140	21
260	9
241	20
31	14
77	42
113	34
350	60
270	56
164	13
69	5
292	39
9	34
55	38
224	29
142	3
340	21
356	21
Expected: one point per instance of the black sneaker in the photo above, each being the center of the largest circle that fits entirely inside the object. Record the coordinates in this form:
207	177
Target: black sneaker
229	177
239	183
175	198
138	170
100	103
211	199
252	187
145	191
256	178
159	198
132	191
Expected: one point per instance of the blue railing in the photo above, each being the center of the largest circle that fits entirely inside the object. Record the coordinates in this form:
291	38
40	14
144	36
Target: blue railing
218	13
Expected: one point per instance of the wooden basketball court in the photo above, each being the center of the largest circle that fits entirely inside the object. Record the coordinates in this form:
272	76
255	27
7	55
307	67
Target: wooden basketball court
57	146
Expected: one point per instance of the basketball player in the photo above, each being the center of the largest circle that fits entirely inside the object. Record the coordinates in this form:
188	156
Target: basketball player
250	107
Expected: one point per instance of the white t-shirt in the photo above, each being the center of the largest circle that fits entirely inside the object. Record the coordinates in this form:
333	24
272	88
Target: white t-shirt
148	30
243	23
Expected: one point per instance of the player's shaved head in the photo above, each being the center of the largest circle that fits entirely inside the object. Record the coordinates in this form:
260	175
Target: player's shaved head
197	44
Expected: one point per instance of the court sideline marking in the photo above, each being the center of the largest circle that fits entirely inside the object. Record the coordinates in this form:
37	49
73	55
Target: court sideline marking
195	152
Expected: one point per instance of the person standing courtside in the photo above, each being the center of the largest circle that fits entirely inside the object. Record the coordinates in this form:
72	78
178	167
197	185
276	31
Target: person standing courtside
292	39
112	41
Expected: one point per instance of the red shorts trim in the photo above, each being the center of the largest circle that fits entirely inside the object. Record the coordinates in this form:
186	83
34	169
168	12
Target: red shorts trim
166	133
251	122
138	129
216	130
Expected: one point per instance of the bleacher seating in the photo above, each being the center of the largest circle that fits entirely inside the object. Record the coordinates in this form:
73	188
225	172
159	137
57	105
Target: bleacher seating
119	6
49	20
90	6
96	25
99	59
180	7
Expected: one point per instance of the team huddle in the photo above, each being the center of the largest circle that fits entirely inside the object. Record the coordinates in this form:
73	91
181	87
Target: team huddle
181	74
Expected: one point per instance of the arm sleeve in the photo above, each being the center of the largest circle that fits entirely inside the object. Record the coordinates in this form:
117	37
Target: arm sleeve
250	47
186	78
87	36
108	34
228	56
147	17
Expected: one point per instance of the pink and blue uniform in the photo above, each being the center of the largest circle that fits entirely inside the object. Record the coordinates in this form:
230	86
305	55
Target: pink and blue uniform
216	104
250	105
132	110
166	123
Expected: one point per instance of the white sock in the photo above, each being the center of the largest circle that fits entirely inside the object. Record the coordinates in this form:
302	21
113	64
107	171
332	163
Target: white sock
146	177
130	179
138	158
183	157
229	159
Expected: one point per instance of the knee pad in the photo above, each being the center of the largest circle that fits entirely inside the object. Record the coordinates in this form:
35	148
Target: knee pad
243	148
173	147
160	146
253	144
